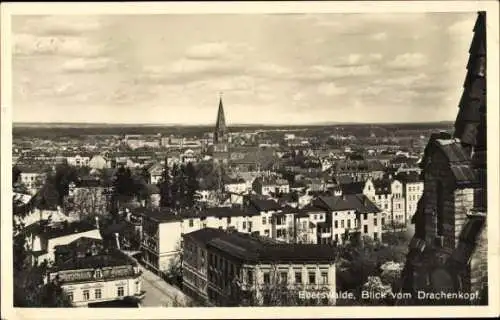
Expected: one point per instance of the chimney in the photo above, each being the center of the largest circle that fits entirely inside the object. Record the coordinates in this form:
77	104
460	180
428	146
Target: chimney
97	222
117	240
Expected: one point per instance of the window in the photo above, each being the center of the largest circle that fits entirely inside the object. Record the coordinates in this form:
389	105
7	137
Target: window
250	225
336	238
315	217
365	216
70	296
228	220
244	224
191	223
336	224
298	277
386	206
120	292
86	295
98	294
383	221
375	236
348	224
312	277
98	274
321	216
365	228
375	221
342	223
284	277
264	220
249	276
324	277
267	279
399	206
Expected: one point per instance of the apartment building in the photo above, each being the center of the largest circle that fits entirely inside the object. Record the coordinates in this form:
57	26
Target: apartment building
88	273
161	237
388	195
267	185
413	189
242	269
347	216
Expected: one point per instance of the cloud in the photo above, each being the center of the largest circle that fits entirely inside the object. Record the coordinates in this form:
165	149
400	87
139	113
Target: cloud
404	81
408	61
210	50
84	65
28	45
379	36
59	25
330	89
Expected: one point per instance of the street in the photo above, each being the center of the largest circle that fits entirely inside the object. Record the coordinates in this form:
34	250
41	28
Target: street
159	293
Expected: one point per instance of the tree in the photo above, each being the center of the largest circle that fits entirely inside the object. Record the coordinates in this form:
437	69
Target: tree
64	175
88	202
192	185
165	186
174	272
380	292
391	273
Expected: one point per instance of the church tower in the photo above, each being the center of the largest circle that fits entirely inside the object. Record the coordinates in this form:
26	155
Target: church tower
221	136
448	251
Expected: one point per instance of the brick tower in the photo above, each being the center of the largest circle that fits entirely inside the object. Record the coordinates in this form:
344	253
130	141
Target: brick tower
448	251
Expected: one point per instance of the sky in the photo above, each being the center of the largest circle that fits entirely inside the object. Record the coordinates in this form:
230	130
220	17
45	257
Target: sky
270	68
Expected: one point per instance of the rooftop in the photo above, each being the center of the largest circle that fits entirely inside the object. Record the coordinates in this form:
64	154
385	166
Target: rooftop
358	202
256	249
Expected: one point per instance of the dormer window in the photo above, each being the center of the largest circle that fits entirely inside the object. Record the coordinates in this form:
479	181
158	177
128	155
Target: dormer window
98	274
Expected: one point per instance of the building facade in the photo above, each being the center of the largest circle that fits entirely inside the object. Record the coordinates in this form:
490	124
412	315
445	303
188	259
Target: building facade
88	274
234	269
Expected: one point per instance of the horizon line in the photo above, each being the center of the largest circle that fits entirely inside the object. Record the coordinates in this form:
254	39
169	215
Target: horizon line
229	125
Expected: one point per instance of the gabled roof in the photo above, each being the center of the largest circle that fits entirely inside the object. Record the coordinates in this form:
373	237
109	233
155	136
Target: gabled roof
352	188
358	202
264	204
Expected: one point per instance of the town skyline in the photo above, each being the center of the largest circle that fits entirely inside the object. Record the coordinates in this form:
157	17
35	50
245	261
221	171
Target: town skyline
102	73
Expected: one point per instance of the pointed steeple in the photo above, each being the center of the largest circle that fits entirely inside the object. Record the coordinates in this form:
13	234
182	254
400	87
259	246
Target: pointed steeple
220	124
470	124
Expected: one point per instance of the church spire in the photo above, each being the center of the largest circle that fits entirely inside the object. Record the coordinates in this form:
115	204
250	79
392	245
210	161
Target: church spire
470	124
220	124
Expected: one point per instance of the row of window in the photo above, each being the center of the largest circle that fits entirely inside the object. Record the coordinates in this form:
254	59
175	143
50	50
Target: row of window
120	292
283	278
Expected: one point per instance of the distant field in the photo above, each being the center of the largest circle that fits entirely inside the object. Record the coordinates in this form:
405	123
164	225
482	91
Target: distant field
48	130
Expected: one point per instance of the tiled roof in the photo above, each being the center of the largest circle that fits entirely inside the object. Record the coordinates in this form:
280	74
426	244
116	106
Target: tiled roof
158	214
264	204
205	235
112	258
358	202
382	186
352	188
64	229
254	249
453	151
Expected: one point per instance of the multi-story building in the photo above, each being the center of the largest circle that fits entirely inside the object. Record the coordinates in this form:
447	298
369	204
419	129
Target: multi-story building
413	187
78	160
267	185
388	195
161	236
42	238
342	217
32	177
88	273
235	269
